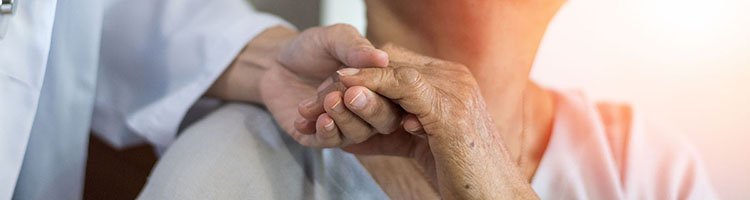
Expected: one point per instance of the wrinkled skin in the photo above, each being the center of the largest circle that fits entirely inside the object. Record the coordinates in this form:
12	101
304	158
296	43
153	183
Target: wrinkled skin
456	144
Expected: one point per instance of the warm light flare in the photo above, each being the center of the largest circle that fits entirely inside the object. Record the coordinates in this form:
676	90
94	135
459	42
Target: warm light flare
686	16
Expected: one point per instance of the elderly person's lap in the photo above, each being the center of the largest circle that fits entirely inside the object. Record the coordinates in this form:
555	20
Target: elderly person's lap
238	152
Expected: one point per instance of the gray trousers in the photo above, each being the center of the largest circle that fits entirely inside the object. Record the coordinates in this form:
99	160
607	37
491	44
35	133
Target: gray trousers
238	152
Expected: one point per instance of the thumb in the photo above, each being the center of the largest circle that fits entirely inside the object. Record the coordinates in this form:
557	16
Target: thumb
345	44
318	52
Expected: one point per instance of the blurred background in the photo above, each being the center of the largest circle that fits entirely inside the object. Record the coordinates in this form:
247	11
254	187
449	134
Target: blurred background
683	63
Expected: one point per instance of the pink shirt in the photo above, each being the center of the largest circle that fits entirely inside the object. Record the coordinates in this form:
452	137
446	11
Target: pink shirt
606	151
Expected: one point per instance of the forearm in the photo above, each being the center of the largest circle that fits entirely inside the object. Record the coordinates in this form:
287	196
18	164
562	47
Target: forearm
478	166
399	177
240	81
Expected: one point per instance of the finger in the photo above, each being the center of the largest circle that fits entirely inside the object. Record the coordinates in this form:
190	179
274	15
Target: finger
308	140
310	108
304	126
327	134
412	125
354	129
376	110
403	85
351	48
325	84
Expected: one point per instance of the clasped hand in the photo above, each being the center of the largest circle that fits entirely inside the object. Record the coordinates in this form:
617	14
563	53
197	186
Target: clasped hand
417	107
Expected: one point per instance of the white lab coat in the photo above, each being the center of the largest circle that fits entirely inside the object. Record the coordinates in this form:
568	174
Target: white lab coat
133	66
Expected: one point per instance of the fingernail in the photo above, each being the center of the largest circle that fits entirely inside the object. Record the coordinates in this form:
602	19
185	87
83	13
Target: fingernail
337	107
329	126
347	71
414	129
359	101
307	102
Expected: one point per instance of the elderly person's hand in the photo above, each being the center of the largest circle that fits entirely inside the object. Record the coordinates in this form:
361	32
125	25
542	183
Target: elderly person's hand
458	144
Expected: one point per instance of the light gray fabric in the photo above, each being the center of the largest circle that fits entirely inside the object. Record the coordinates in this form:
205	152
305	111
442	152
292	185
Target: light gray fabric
238	152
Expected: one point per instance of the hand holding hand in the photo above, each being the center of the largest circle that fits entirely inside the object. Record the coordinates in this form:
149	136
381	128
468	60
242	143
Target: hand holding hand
458	144
280	67
305	61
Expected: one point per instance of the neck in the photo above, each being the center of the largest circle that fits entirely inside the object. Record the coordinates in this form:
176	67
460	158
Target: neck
497	40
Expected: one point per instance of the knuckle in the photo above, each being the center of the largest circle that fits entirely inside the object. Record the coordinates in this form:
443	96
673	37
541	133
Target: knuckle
342	28
409	77
385	76
315	34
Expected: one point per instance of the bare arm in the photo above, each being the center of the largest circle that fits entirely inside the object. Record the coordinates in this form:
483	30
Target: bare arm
399	177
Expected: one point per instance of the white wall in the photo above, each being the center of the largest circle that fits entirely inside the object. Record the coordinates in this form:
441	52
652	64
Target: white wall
344	11
685	63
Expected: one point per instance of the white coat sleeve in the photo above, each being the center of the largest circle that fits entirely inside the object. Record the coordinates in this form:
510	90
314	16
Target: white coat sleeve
157	58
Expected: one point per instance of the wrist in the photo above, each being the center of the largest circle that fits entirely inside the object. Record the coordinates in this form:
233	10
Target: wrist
240	81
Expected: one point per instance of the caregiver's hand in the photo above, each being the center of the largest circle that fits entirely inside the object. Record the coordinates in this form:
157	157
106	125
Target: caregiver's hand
462	149
331	121
280	67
